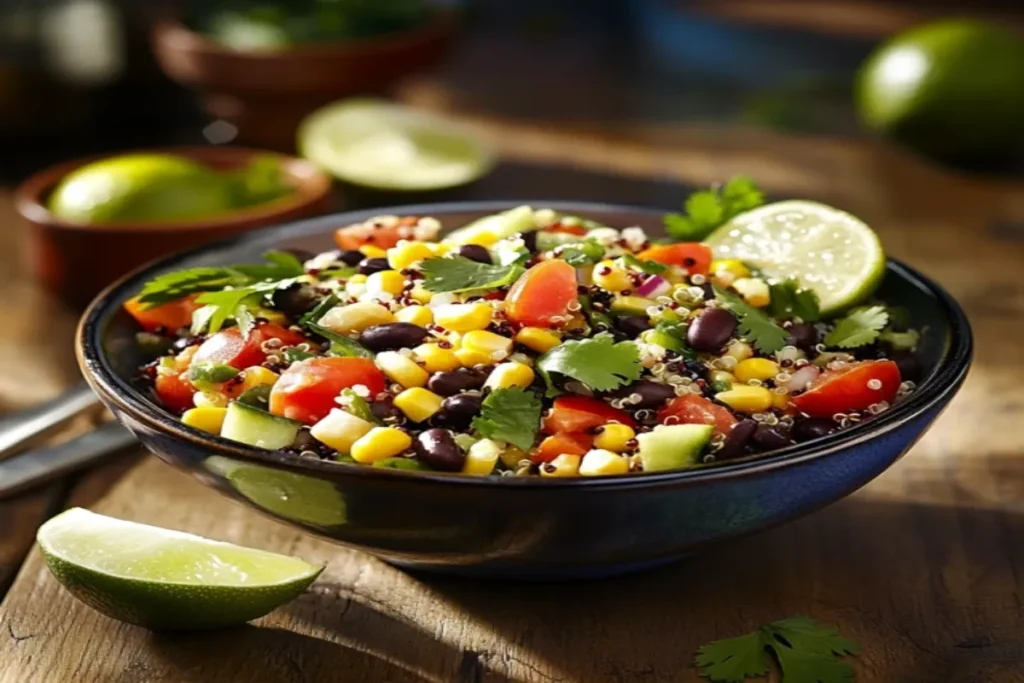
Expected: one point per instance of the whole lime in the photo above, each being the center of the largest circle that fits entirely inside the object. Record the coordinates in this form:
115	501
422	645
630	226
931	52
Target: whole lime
141	188
953	89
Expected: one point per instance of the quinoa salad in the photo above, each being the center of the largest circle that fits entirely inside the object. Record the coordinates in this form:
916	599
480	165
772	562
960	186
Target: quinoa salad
531	343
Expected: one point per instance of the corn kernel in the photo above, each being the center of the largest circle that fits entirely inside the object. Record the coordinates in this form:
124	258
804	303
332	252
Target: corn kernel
732	266
739	350
420	294
358	277
565	465
512	456
482	238
614	437
339	429
538	339
760	369
482	457
609	276
744	398
257	376
463	317
401	369
495	345
356	317
469	358
780	401
209	399
417	315
208	419
508	375
405	255
438	248
371	251
418	404
380	443
754	291
599	462
436	359
385	282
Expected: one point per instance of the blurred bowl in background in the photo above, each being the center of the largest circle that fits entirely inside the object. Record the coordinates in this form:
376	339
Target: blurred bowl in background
74	260
265	94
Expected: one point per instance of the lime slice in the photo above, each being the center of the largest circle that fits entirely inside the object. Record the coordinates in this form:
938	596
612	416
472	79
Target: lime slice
387	146
165	579
825	249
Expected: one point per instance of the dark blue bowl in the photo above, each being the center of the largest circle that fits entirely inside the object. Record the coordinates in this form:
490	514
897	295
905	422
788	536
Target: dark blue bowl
522	527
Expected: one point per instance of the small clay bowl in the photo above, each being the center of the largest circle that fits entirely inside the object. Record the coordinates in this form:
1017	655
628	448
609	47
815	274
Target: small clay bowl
267	93
75	261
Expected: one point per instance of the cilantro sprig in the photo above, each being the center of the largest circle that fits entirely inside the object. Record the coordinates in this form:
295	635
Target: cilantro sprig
805	651
789	300
583	253
643	265
511	415
179	284
460	274
708	209
860	327
754	324
598	362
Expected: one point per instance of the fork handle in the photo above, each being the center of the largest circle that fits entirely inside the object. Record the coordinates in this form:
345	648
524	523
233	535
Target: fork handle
18	430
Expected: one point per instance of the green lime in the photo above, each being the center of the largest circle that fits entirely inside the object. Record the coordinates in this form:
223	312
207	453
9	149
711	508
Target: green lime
141	188
825	249
386	146
165	579
953	89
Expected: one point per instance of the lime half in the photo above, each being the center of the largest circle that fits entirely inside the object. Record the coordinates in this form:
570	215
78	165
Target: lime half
387	146
825	249
165	579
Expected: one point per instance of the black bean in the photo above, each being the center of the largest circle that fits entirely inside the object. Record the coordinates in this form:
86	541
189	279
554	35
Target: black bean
455	382
632	325
708	291
652	394
711	329
458	411
474	252
908	363
392	336
803	336
369	266
770	438
437	448
736	442
351	257
530	240
813	428
384	409
295	299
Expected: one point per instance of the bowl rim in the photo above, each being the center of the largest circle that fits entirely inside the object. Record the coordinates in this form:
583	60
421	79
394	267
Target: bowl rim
313	185
945	379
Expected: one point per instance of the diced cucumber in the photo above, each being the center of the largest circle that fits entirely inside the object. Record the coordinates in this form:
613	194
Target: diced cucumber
673	447
501	225
549	241
249	425
205	376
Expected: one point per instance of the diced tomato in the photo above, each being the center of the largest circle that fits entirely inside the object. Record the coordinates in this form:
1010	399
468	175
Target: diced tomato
580	413
174	392
170	316
693	256
544	292
306	391
553	446
228	347
354	236
851	388
693	409
567	229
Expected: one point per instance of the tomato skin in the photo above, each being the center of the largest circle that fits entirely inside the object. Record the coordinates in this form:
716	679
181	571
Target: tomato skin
306	391
170	316
566	443
580	413
544	292
846	389
354	236
228	347
693	409
693	256
577	230
174	392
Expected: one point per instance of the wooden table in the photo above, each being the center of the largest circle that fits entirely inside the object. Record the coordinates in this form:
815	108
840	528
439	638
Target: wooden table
922	567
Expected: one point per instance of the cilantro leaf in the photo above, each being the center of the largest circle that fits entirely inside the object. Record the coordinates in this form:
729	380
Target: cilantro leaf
708	209
340	344
598	362
234	304
646	266
460	274
358	406
318	311
790	301
583	253
754	324
803	633
282	264
806	667
860	327
511	415
733	659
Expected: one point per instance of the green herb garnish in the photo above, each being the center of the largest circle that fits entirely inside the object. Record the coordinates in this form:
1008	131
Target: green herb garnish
318	311
646	265
598	362
340	344
754	324
708	209
860	327
901	341
358	406
789	300
511	415
234	304
460	274
585	253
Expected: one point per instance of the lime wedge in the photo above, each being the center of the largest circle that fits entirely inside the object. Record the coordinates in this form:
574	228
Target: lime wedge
165	579
827	250
387	146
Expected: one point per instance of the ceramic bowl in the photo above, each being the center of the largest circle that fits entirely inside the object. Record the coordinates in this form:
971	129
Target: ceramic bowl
523	527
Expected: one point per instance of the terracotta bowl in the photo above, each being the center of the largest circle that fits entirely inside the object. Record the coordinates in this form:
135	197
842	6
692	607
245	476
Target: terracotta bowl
265	94
75	261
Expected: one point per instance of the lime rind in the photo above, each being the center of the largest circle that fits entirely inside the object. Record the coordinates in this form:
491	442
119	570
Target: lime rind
825	249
